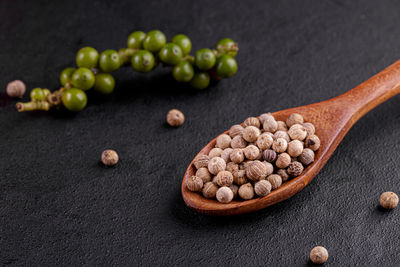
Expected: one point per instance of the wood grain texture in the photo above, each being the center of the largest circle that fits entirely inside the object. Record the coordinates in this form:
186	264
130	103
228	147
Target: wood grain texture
332	119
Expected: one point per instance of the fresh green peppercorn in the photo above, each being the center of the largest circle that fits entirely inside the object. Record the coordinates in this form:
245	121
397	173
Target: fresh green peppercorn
183	72
226	66
104	83
200	80
66	75
154	41
204	59
74	99
171	54
83	78
184	42
109	60
143	61
226	44
135	39
87	57
37	94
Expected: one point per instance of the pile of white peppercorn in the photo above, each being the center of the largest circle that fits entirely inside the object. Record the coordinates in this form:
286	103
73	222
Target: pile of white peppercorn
254	159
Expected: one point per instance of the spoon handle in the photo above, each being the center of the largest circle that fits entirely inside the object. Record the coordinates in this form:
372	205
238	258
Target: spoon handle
369	94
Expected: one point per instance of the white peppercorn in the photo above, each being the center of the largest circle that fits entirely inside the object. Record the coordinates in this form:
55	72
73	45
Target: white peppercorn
251	152
252	121
295	148
319	255
109	157
312	142
269	155
283	160
238	142
194	183
210	190
264	141
237	155
251	133
269	166
201	161
281	134
293	119
389	200
239	177
224	194
175	118
279	145
283	174
297	132
282	126
216	165
256	171
275	180
295	168
270	124
262	188
16	89
226	154
236	130
234	189
309	128
232	167
203	174
246	191
224	178
215	152
223	141
307	156
265	116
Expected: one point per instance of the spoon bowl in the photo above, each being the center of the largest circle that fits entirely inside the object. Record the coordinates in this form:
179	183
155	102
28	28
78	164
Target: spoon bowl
332	119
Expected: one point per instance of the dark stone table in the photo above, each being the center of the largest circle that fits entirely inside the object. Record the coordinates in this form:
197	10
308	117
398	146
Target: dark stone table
60	206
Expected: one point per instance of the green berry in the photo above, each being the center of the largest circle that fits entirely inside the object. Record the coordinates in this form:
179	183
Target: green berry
143	61
225	44
83	78
183	72
74	99
37	94
171	54
109	60
66	75
200	80
87	57
184	42
154	41
135	40
104	83
204	59
226	66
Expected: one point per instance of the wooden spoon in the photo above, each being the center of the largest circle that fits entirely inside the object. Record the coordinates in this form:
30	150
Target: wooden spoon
332	119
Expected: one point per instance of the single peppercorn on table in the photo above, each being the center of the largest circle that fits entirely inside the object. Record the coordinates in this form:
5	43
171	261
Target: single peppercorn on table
332	118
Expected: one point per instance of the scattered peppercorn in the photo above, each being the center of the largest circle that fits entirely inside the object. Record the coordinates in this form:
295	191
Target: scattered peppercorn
16	89
175	118
319	255
249	161
389	200
109	157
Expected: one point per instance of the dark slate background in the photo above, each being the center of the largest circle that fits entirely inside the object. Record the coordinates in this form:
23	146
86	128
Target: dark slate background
60	206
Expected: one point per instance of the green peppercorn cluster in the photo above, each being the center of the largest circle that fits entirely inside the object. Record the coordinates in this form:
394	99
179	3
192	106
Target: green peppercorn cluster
144	52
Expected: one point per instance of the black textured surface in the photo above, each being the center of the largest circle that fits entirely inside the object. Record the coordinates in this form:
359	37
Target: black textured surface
60	206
